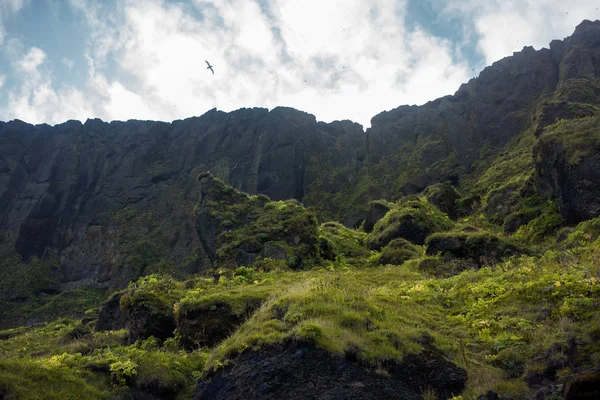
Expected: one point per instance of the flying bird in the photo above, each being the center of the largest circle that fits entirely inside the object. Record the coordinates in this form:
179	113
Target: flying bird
210	67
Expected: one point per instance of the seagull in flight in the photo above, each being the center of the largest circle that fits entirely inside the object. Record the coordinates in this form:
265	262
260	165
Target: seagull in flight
210	67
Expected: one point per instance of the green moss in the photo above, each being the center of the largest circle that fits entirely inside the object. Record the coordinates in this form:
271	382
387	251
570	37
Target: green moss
45	307
481	248
582	235
542	226
20	280
412	219
398	251
579	137
445	197
248	223
239	298
501	179
335	239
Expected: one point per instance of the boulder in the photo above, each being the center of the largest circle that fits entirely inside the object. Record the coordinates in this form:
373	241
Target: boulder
377	210
445	197
398	251
413	220
480	248
582	386
110	316
147	315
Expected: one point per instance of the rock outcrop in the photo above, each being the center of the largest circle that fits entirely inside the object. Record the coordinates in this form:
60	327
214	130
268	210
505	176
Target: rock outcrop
567	161
304	372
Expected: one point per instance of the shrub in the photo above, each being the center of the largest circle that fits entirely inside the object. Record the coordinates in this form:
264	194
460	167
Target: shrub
123	372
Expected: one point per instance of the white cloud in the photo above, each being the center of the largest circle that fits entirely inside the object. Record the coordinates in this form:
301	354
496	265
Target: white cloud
505	26
35	99
67	62
7	9
32	60
2	80
336	59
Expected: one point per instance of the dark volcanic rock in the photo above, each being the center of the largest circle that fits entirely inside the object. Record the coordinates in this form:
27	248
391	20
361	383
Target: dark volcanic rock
147	315
208	324
110	316
582	386
480	248
303	372
567	166
377	210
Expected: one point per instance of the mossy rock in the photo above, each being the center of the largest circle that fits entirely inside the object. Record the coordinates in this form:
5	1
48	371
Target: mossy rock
519	218
238	230
444	267
480	248
544	225
584	234
398	251
501	202
336	239
583	386
413	220
445	197
552	112
377	210
148	314
110	316
206	324
567	167
207	321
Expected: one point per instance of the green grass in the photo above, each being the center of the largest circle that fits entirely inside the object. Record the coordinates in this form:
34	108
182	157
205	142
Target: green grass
497	322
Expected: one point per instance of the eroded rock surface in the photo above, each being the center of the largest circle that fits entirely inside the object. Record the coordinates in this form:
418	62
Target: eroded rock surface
303	372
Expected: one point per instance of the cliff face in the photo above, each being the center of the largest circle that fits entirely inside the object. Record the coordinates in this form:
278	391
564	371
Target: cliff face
107	200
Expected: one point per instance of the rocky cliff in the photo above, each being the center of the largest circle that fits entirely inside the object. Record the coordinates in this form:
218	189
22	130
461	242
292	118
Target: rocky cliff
107	201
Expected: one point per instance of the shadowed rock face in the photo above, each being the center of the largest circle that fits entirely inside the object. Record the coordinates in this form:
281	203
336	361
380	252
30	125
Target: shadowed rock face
561	173
303	372
89	193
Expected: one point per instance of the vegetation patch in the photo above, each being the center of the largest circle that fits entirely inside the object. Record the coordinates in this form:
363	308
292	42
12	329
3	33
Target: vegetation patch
481	248
445	197
337	240
241	226
412	219
398	251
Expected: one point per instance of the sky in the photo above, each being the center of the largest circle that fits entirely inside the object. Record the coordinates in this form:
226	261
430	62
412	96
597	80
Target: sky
336	59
